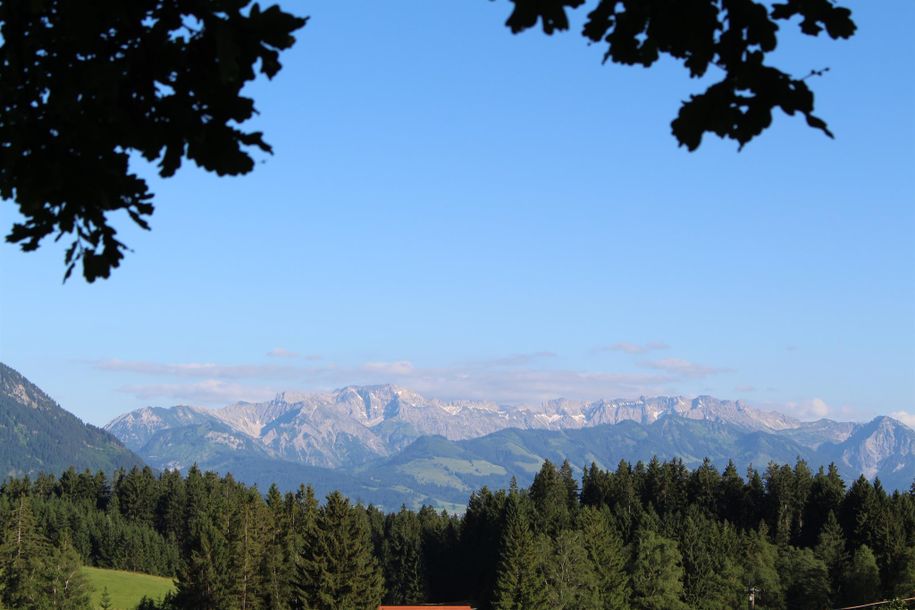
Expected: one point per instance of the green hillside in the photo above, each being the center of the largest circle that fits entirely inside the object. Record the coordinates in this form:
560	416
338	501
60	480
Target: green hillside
126	589
37	435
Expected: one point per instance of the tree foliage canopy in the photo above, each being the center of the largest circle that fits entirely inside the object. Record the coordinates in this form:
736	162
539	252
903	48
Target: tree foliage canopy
232	548
734	36
86	85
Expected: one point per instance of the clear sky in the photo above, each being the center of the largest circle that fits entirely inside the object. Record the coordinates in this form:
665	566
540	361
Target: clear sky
473	214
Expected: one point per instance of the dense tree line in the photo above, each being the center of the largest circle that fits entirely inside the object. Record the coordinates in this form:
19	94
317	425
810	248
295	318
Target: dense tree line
648	536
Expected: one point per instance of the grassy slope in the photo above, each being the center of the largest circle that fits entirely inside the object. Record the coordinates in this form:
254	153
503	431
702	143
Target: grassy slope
126	588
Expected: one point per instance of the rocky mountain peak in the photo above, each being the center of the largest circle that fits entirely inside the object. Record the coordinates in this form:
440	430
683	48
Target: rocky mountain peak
355	424
873	444
20	389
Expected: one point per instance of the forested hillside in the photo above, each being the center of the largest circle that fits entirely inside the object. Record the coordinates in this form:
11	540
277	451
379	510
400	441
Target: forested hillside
37	435
650	536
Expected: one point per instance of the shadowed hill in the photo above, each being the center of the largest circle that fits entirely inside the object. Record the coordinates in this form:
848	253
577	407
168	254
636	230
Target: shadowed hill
37	435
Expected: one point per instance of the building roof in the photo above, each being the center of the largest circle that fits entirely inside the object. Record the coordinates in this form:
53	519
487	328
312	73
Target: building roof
426	607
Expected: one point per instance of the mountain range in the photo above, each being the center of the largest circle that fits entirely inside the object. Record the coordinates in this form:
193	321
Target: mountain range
38	435
392	446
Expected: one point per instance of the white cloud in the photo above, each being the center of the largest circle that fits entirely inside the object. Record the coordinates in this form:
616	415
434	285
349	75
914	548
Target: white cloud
511	385
519	359
682	368
282	352
745	388
401	367
517	378
199	369
209	392
815	408
632	348
905	417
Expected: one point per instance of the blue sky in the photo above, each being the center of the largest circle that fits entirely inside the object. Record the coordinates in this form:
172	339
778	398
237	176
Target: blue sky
474	214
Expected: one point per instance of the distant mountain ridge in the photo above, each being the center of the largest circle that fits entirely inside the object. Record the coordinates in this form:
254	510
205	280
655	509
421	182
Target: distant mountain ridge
357	423
390	445
37	435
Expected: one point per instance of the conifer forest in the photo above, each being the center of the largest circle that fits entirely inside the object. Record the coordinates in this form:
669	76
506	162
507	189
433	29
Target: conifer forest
653	536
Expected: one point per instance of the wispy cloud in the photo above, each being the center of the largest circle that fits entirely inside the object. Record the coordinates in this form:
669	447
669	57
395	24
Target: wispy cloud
199	369
905	417
520	359
515	378
632	348
509	385
399	368
745	388
514	384
210	392
814	408
682	368
282	352
512	379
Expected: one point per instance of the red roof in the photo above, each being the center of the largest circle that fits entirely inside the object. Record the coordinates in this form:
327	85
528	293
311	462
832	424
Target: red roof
424	608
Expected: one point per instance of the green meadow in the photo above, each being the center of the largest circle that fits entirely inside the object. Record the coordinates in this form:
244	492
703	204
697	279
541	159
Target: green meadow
126	589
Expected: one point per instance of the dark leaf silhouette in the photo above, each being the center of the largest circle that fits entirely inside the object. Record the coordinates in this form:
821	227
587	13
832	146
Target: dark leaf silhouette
734	36
86	84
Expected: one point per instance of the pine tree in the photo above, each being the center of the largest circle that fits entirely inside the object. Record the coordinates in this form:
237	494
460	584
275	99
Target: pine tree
858	511
807	579
440	553
551	494
657	573
704	484
803	482
403	565
481	533
170	505
754	499
781	501
520	582
862	578
337	569
731	496
205	581
245	541
902	581
67	587
890	538
830	549
760	566
375	519
276	570
105	600
595	486
23	559
826	493
571	578
711	579
624	500
571	485
608	560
